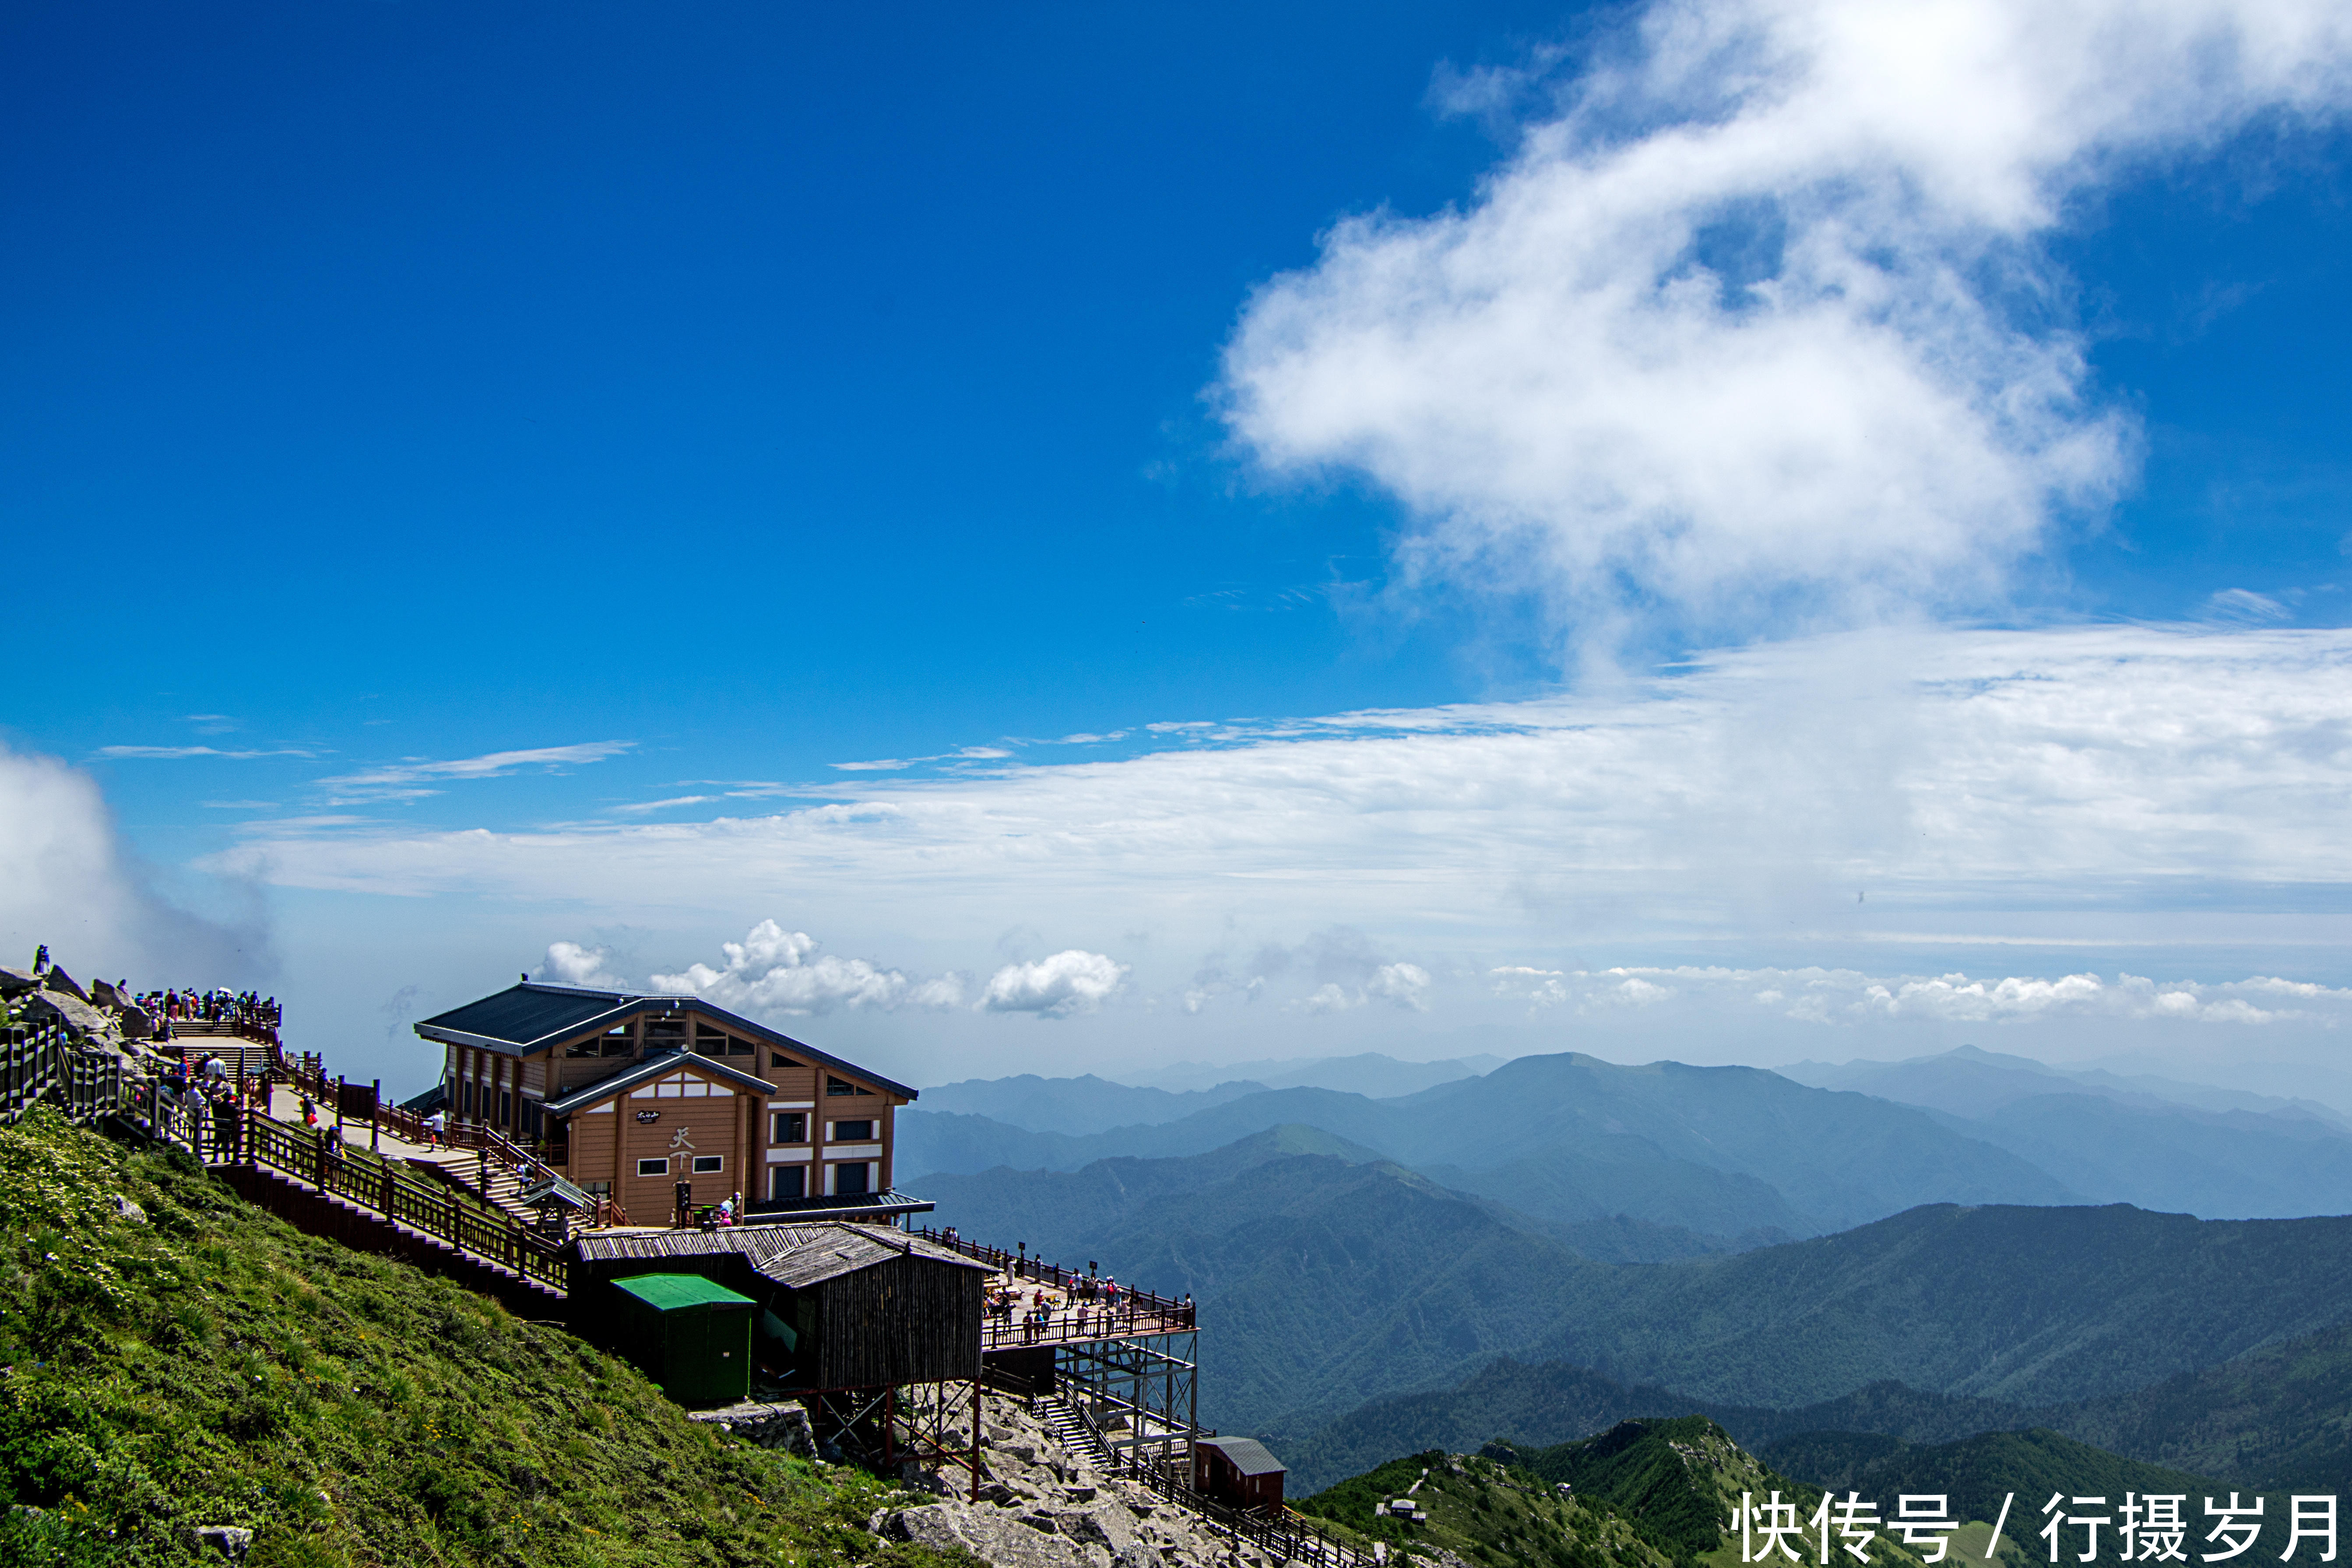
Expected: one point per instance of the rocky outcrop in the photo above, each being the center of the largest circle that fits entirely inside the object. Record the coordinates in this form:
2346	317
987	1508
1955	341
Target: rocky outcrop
63	1007
784	1424
1042	1507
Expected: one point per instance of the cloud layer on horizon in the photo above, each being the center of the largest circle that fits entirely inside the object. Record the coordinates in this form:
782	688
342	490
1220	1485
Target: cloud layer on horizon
774	973
2104	767
1756	318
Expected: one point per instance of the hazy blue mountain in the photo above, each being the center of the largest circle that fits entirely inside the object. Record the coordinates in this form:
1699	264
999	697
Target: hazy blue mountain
1330	1277
1615	1175
1369	1072
1834	1159
1972	1082
2217	1154
934	1140
1075	1105
2235	1164
1056	1211
2035	1306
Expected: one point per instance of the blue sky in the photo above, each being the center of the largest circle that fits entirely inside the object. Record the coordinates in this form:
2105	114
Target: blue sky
435	437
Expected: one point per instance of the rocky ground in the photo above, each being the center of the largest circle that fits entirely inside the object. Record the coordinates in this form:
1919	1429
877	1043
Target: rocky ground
1044	1507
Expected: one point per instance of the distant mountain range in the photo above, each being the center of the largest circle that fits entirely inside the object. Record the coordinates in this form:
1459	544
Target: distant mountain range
1903	1251
2277	1418
2216	1153
1331	1278
1721	1151
1736	1156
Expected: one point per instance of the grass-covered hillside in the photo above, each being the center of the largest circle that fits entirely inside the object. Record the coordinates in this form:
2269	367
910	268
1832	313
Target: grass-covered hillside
1484	1512
172	1357
1644	1494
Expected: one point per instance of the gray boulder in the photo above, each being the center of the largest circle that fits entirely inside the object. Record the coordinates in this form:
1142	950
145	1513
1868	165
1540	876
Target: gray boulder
16	982
59	980
784	1424
63	1007
995	1536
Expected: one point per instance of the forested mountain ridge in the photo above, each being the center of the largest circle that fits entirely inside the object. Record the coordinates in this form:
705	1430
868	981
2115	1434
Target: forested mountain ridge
1333	1279
2276	1418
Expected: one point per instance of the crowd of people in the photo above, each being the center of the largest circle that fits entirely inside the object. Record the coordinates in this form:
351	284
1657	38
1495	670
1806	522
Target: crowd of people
1087	1304
247	1010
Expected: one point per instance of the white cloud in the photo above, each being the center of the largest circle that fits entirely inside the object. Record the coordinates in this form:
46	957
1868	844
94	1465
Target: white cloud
1845	996
1055	986
1759	309
774	971
1402	984
569	964
67	879
414	779
175	753
2104	767
2246	607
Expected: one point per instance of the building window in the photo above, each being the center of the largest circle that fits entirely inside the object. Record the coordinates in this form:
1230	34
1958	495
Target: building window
788	1127
843	1086
665	1034
711	1042
593	1046
506	1107
619	1042
852	1132
849	1180
465	1097
653	1167
779	1062
788	1181
710	1164
597	1189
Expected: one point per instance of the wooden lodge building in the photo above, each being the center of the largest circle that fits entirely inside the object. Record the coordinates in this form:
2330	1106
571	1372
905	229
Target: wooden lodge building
841	1306
655	1100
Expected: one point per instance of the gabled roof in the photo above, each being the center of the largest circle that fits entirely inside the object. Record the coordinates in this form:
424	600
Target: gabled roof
533	1016
653	1068
794	1255
1247	1454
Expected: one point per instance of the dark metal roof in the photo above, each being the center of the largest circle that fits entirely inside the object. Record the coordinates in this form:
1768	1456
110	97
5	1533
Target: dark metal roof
654	1068
531	1016
794	1255
1247	1454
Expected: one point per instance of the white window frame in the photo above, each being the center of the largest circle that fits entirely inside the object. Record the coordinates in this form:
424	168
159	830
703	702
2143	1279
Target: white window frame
663	1163
718	1166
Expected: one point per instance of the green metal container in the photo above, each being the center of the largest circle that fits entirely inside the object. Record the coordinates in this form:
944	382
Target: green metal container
692	1337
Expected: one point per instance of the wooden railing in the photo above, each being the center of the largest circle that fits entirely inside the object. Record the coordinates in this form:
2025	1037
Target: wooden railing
1090	1314
315	1157
40	1061
1288	1537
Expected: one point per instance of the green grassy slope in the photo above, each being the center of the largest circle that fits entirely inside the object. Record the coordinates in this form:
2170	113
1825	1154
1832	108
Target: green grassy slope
1645	1494
207	1364
1485	1512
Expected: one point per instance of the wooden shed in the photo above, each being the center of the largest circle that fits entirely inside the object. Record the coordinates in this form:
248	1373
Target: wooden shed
1238	1471
840	1305
690	1335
